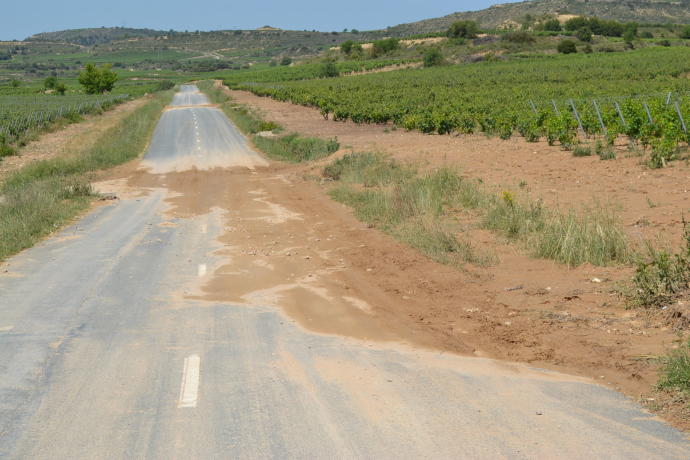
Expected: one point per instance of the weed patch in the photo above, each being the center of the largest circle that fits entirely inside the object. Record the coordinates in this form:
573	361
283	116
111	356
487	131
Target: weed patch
663	277
675	371
396	198
296	149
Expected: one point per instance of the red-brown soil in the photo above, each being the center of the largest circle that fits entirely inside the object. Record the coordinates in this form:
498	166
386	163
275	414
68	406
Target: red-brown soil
522	309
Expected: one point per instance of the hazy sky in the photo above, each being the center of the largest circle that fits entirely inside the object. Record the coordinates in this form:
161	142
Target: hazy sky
19	19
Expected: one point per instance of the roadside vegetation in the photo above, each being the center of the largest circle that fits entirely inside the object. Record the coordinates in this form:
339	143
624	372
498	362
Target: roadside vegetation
421	209
268	136
44	195
410	207
675	372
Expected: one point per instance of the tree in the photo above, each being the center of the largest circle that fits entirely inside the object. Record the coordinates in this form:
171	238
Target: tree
384	46
97	81
463	29
60	88
433	57
577	23
15	83
567	47
50	82
346	47
552	25
286	61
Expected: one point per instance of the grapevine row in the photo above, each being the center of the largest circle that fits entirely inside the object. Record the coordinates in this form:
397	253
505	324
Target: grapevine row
18	114
494	97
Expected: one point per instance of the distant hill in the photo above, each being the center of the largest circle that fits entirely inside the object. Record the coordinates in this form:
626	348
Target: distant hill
94	36
643	11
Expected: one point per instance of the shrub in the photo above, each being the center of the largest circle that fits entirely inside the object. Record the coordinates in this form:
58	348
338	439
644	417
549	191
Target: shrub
629	35
665	43
433	57
663	278
286	61
61	89
463	29
567	47
164	85
584	35
675	370
294	148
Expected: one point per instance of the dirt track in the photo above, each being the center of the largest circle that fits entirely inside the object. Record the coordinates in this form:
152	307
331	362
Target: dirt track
523	309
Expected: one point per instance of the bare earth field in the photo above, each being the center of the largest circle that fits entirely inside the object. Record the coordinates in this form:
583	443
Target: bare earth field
522	309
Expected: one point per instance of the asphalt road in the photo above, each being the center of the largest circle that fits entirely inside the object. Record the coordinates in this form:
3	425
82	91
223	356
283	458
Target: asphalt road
98	360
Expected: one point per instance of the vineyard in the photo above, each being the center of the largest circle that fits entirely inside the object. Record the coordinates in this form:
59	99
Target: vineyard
20	114
559	98
303	72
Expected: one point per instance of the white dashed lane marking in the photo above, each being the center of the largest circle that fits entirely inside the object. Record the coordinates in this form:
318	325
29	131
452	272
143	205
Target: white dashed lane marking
189	390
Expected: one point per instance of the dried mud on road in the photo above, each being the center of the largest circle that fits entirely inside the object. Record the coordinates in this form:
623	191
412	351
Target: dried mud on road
286	243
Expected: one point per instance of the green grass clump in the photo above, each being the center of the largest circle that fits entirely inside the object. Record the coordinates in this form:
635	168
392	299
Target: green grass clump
662	278
604	151
582	151
572	238
409	207
6	150
295	148
44	195
404	203
368	169
675	371
595	236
